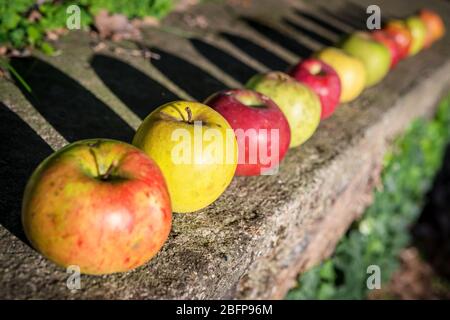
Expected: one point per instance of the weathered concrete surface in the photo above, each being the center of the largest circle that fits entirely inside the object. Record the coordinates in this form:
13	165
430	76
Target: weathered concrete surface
253	241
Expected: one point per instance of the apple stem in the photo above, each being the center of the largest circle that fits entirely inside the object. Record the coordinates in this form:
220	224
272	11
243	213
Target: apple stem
189	113
95	160
103	176
111	167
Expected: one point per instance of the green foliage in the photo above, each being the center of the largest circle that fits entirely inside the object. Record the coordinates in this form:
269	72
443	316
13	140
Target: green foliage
18	31
132	9
382	232
6	66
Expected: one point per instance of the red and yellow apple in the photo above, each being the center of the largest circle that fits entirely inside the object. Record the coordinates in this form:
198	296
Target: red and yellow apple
400	33
195	148
351	71
323	80
418	33
434	25
300	105
261	129
100	204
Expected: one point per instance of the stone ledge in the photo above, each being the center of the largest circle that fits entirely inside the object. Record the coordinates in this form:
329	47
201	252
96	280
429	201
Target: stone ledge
254	240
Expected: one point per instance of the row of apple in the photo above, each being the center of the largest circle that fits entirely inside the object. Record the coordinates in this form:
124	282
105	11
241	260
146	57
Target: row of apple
106	206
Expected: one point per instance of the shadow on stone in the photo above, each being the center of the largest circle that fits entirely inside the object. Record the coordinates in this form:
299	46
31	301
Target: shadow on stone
255	51
311	34
321	22
234	67
133	87
354	15
195	81
278	37
350	22
359	12
22	150
71	109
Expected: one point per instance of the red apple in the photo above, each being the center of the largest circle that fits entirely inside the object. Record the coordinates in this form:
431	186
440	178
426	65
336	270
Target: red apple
99	204
389	41
261	129
398	30
323	80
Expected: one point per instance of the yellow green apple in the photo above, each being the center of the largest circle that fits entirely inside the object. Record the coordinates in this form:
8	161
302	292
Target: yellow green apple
99	204
196	149
351	71
300	104
375	56
418	31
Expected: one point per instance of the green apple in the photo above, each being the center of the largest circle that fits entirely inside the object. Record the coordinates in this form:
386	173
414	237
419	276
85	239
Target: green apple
299	103
418	32
375	56
195	148
351	71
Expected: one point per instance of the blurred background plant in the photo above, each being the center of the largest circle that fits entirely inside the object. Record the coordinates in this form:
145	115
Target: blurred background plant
32	23
383	232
